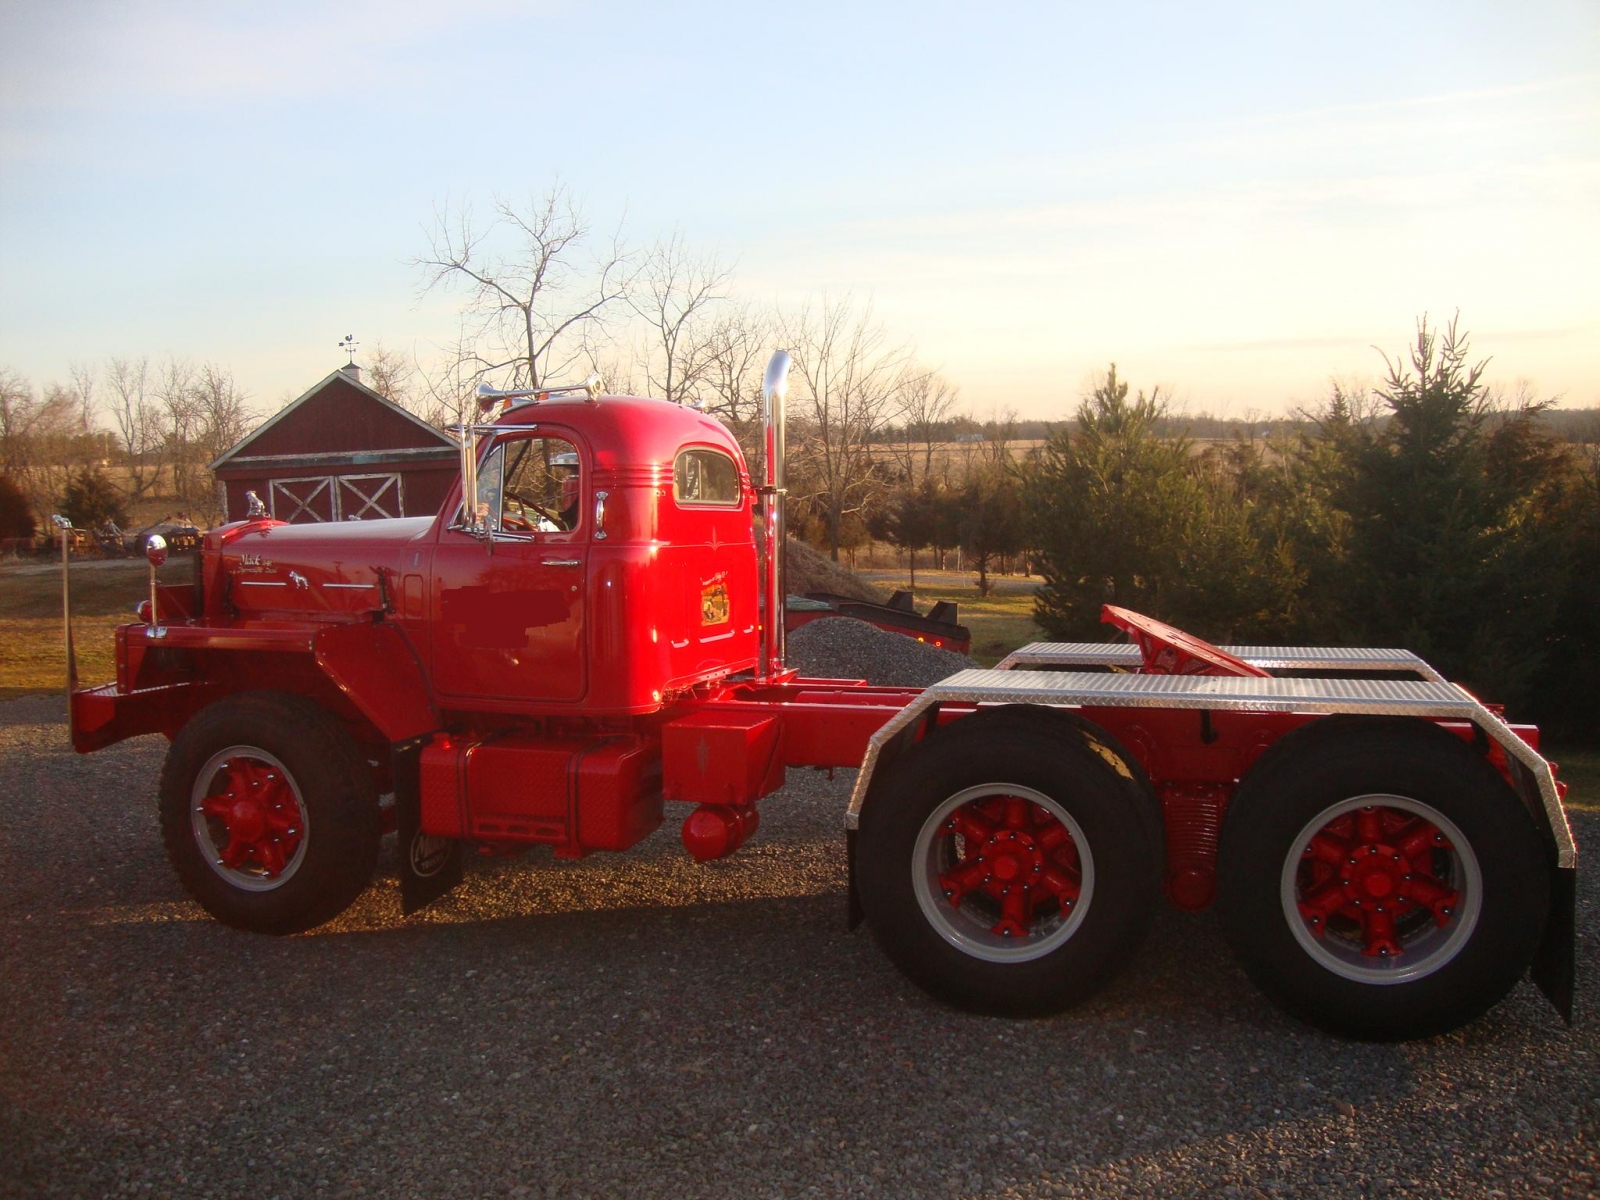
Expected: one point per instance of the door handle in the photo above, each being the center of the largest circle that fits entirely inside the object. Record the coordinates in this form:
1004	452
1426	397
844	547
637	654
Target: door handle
563	562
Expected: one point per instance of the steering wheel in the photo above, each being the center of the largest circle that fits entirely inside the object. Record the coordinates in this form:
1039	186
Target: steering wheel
1168	650
527	506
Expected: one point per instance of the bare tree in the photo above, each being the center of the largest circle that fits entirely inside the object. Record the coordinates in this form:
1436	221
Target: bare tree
138	424
221	416
392	375
851	379
927	401
533	308
618	368
444	394
220	419
999	431
83	381
677	289
736	347
175	392
17	417
35	438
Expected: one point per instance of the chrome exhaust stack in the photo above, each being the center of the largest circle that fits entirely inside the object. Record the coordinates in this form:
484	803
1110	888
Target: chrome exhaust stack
773	390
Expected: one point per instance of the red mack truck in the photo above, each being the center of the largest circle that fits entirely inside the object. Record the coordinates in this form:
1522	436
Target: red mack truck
592	626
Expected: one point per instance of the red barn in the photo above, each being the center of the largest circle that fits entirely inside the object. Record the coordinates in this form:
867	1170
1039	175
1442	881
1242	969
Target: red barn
341	452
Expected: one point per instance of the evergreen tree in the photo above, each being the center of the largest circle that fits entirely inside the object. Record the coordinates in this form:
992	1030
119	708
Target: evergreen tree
1106	508
16	517
1566	698
910	520
90	500
1454	550
990	520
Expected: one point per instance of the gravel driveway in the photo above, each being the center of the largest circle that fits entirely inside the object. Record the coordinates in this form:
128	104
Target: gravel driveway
638	1025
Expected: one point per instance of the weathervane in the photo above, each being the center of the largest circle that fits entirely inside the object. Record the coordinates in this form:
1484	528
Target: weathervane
349	347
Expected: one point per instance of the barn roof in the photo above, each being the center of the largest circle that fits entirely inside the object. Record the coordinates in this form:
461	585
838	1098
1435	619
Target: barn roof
354	424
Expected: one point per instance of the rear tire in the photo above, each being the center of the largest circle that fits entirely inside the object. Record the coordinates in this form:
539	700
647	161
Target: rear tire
1004	872
269	813
1382	881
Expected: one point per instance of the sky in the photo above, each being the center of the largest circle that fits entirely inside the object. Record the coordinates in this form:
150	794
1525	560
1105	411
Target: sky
1235	201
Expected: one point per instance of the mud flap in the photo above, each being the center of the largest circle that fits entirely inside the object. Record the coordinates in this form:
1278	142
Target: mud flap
429	867
1555	964
853	913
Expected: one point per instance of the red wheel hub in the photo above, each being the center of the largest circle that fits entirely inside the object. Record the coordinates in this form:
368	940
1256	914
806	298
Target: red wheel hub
1372	868
255	804
1018	854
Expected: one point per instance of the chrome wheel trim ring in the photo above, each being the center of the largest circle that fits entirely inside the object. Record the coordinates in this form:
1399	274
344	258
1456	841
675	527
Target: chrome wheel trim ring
1439	945
205	838
966	931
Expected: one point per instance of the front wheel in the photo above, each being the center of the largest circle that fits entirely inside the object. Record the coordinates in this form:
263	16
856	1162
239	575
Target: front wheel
269	813
1384	883
1005	873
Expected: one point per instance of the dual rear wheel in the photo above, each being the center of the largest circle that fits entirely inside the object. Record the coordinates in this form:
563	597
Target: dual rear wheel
1003	879
1377	879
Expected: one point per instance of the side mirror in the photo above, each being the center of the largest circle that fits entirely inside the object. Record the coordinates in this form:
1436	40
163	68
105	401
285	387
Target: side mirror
155	549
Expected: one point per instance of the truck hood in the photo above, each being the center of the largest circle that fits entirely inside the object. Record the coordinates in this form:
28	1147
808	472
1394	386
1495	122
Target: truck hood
348	567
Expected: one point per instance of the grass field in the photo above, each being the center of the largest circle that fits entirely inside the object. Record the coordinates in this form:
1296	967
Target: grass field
1580	770
104	592
1000	621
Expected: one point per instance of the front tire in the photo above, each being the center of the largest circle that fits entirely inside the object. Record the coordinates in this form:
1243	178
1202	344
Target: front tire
269	813
1381	881
1004	872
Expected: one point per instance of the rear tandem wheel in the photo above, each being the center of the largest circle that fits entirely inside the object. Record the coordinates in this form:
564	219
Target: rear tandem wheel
1004	872
1381	880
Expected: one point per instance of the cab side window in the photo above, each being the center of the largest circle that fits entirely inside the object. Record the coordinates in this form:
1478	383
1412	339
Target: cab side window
531	485
702	476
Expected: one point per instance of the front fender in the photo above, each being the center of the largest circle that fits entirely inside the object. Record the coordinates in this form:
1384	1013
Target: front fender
375	667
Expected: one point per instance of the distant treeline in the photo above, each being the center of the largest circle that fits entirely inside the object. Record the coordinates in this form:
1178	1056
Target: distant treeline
1578	425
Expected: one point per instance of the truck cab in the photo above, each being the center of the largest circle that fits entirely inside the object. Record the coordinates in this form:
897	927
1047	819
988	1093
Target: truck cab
608	562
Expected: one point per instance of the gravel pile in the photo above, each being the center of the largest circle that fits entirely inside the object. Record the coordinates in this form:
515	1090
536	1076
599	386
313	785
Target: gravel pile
640	1025
808	570
845	648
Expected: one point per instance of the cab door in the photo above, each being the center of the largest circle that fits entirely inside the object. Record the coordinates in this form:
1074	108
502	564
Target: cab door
508	607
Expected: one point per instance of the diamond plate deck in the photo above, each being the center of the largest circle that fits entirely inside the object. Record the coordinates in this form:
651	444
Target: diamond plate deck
1394	697
1079	689
1268	658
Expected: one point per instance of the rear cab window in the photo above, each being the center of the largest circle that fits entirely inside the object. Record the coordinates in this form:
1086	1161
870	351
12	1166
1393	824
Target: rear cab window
705	477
